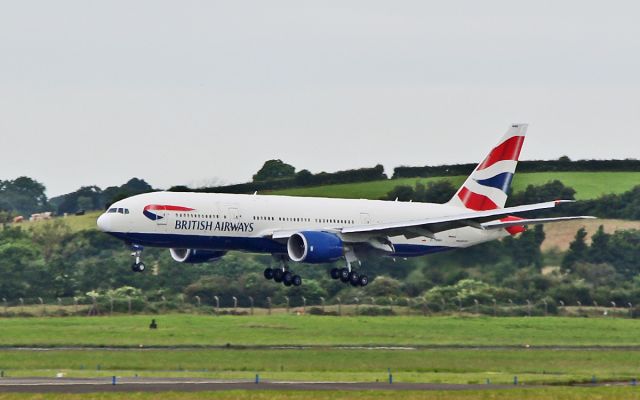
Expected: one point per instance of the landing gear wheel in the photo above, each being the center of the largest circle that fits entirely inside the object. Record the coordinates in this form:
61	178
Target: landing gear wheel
277	275
364	280
335	273
137	267
287	278
344	275
268	273
297	281
354	278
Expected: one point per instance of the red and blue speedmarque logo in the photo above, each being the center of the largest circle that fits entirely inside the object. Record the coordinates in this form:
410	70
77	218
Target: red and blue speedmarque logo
147	211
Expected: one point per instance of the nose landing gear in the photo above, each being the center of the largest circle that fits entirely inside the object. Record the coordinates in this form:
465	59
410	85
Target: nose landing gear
138	265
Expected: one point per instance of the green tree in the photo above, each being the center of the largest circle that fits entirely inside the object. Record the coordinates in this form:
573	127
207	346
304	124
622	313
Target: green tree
577	251
274	169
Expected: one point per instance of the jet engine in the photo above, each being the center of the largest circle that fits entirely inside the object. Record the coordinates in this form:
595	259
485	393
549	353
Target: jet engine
314	247
194	256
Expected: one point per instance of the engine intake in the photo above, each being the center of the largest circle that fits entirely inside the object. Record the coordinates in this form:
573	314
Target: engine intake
314	247
195	256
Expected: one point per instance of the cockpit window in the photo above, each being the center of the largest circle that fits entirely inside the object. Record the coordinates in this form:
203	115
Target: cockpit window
126	211
112	210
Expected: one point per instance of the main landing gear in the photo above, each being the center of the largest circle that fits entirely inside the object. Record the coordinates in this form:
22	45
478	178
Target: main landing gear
283	275
138	265
347	275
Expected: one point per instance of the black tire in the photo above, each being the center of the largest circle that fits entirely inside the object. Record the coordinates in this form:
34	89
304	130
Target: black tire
335	273
344	275
268	273
287	278
277	275
354	278
364	280
297	281
134	267
287	284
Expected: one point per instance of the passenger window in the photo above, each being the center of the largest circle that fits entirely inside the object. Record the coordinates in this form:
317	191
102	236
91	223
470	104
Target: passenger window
126	211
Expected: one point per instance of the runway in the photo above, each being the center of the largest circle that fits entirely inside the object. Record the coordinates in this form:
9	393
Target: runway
76	385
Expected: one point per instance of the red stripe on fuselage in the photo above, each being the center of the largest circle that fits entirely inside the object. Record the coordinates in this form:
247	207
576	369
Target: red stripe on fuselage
507	150
167	207
476	201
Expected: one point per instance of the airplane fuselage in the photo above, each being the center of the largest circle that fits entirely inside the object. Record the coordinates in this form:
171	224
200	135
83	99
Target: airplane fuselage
246	222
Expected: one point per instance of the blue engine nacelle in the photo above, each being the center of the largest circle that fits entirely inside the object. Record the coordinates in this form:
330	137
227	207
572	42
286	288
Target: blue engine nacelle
314	247
195	256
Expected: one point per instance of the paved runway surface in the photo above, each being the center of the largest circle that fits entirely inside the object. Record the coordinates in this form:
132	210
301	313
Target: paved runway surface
73	385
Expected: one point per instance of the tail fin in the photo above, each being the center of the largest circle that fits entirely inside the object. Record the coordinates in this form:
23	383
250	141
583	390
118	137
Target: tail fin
486	188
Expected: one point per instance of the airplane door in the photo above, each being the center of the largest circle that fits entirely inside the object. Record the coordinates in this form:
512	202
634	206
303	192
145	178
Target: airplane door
365	218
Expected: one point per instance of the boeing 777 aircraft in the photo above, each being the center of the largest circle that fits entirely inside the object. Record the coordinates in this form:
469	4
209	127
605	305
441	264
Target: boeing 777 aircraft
202	227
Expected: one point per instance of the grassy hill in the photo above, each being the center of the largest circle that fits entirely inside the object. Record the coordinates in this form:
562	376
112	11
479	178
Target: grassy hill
588	185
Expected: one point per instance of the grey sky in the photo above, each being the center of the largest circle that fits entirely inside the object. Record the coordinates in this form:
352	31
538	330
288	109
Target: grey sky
193	91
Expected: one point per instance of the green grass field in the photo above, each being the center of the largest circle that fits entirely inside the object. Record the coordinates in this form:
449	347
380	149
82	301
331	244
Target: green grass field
477	349
547	393
588	185
283	330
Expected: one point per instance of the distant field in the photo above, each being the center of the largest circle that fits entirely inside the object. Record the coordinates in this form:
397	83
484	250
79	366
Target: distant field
588	185
76	223
283	330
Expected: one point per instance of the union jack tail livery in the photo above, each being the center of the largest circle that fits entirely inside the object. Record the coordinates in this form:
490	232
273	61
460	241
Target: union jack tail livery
488	186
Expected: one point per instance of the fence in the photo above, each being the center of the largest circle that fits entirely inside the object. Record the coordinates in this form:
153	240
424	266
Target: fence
247	305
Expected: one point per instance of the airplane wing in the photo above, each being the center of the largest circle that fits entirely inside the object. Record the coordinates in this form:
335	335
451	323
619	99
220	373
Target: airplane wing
485	220
429	226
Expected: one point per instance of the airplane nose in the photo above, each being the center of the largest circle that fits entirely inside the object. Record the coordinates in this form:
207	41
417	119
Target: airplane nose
103	224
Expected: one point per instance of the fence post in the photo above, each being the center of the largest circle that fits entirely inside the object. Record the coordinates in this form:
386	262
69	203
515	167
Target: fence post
269	305
613	304
217	299
6	305
339	305
164	303
322	303
59	303
511	307
544	301
21	304
459	304
495	307
391	303
286	298
477	305
44	309
528	307
197	301
630	309
251	304
304	305
235	304
110	306
129	303
357	301
75	305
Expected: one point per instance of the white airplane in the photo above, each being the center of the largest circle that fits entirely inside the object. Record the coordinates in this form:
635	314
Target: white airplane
202	227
